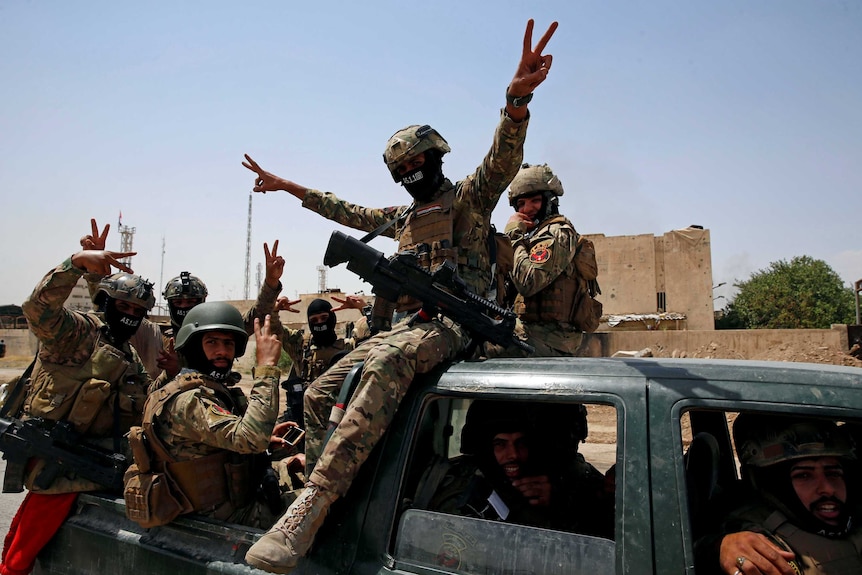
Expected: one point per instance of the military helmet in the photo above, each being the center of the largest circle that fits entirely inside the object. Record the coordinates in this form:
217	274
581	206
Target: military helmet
531	180
127	287
213	316
411	141
185	285
762	440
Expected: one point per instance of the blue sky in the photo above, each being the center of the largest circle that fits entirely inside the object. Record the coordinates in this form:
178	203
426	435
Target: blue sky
743	117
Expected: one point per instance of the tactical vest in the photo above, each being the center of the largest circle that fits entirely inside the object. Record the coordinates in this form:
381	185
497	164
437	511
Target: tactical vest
431	228
89	395
213	484
820	555
316	360
558	301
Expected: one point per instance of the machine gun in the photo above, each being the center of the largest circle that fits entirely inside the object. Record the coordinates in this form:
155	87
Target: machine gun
61	447
440	291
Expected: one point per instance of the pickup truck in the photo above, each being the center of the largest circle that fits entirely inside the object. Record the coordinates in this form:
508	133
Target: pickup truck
668	439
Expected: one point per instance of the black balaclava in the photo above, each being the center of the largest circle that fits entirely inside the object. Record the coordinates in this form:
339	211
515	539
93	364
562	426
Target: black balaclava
323	335
776	486
423	182
195	358
121	326
178	314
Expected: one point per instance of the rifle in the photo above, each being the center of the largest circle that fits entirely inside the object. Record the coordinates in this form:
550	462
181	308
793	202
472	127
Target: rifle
61	447
440	291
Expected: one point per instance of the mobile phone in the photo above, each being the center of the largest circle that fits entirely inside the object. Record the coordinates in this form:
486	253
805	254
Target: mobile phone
293	435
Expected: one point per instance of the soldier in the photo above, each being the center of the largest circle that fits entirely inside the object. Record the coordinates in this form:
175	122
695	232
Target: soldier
553	273
801	515
87	374
453	221
520	466
208	427
312	358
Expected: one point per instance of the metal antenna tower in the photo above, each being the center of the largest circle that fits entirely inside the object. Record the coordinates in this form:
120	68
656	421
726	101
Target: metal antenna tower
161	305
127	236
259	275
321	279
248	251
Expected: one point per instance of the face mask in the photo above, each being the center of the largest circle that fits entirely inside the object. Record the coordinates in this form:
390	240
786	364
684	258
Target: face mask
178	314
323	335
121	326
423	182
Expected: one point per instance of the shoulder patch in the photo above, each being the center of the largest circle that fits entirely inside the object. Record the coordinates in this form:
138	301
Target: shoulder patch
218	410
541	252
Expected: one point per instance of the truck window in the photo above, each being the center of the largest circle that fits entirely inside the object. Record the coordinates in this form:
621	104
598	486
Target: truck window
538	475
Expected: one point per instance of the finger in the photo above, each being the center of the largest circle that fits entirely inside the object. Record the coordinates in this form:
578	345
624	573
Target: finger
274	248
339	300
87	243
546	38
257	333
252	165
266	330
546	62
94	227
528	39
103	236
266	251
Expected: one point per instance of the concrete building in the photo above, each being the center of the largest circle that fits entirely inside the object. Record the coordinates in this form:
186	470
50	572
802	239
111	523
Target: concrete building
656	282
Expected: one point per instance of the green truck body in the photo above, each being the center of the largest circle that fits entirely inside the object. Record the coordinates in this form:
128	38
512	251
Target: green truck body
664	481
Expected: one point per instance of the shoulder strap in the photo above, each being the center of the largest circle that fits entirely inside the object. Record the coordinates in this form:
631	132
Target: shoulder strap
373	234
12	399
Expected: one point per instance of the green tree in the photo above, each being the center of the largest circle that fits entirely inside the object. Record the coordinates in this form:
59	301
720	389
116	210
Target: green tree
802	293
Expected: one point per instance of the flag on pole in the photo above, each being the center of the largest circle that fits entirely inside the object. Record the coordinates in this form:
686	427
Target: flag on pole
120	221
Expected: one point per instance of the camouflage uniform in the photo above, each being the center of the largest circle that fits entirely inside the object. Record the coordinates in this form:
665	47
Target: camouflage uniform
393	358
208	420
73	355
541	259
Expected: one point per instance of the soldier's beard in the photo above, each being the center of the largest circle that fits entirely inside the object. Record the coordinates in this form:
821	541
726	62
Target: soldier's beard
194	358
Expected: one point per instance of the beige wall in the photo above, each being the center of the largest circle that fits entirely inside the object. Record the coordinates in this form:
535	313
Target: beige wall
634	269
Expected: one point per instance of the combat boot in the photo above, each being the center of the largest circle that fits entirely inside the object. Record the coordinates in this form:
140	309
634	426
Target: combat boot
279	549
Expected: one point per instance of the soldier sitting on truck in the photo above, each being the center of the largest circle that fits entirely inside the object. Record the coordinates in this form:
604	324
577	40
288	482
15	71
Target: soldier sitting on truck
799	516
521	465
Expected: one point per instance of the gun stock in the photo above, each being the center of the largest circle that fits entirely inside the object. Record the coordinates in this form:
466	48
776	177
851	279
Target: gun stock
441	291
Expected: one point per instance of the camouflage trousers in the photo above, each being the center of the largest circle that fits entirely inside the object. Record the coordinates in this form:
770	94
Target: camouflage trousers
550	339
391	360
257	514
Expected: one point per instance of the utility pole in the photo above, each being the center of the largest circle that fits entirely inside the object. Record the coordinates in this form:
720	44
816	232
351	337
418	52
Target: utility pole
248	251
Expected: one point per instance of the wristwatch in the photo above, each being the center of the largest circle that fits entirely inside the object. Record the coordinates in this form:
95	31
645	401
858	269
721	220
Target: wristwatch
518	101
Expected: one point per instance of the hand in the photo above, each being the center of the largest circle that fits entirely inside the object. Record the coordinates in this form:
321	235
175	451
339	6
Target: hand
276	440
761	555
95	240
520	221
268	345
533	67
349	302
274	265
266	182
285	304
168	360
537	489
100	261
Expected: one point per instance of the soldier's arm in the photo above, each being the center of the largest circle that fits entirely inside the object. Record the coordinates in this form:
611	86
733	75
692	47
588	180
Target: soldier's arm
293	343
49	321
484	187
263	306
353	216
539	261
200	417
